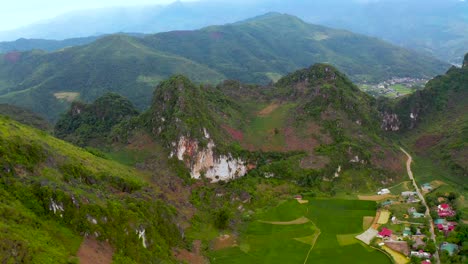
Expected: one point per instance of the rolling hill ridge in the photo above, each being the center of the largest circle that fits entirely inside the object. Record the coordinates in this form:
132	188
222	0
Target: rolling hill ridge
258	50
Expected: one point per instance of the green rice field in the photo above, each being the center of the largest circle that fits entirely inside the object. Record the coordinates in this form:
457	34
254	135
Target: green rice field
328	236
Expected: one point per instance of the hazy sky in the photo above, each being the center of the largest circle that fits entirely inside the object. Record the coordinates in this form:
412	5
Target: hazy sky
17	13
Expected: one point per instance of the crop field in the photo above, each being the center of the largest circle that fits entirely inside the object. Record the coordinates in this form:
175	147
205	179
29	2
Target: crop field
327	238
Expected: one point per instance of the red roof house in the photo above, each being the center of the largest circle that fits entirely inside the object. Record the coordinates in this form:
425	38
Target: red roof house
385	232
426	261
444	210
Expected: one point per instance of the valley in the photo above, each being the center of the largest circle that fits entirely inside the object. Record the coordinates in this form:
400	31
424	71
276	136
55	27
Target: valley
267	140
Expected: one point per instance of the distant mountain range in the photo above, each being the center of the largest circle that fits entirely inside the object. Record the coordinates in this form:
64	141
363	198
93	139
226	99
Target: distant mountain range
438	27
258	50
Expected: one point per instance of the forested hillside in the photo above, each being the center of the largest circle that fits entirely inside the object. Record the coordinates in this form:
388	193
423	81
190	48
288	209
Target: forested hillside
258	50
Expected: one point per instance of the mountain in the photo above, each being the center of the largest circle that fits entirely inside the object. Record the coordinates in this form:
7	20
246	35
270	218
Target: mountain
25	116
436	119
43	44
90	124
258	50
56	197
314	119
433	26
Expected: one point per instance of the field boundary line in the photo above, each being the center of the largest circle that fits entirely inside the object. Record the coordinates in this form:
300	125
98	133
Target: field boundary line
313	243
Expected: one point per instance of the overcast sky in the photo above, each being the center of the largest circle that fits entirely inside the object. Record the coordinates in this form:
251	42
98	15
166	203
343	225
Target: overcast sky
17	13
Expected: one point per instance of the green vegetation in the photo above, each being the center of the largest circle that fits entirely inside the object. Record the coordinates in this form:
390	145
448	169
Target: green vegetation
25	116
253	51
283	243
266	130
91	124
53	192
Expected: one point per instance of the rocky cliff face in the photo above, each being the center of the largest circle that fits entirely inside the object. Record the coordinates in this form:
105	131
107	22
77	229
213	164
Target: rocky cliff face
390	122
204	161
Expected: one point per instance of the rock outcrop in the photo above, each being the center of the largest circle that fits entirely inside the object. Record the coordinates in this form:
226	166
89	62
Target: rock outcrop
204	161
390	122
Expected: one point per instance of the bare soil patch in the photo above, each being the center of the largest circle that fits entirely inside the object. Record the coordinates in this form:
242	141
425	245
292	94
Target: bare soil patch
67	96
400	246
235	134
224	241
268	110
95	252
299	221
425	142
193	257
141	141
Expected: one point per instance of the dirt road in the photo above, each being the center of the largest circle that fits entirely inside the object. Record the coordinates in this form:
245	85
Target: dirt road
421	197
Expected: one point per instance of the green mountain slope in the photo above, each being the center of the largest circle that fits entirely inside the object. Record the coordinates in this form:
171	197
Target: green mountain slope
90	124
314	120
254	51
25	116
115	63
261	48
437	119
54	193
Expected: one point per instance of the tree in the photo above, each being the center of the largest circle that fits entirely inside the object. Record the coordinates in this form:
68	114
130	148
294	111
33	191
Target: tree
221	218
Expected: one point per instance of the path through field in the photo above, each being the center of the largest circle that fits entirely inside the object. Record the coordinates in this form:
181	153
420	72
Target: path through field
421	197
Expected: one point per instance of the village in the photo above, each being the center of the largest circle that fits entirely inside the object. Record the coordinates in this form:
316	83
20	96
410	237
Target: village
401	227
394	87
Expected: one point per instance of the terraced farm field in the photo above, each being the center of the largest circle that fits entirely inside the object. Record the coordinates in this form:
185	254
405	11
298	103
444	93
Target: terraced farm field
328	236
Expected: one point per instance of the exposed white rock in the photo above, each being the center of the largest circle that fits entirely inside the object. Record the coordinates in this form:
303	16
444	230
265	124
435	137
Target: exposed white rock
337	173
268	175
56	207
142	236
207	135
92	220
355	159
390	122
216	168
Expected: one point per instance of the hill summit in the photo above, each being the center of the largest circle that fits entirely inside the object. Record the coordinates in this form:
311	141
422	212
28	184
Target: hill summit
260	50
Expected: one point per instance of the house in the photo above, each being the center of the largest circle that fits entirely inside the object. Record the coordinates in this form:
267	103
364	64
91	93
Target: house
444	210
420	254
447	227
407	232
412	199
383	192
385	233
450	248
406	194
418	232
426	187
418	242
411	210
426	261
386	203
440	221
418	215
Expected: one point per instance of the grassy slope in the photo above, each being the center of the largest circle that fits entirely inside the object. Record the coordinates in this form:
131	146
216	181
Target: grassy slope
40	169
24	116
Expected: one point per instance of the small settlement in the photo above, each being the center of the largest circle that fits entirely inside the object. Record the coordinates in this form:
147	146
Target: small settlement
401	226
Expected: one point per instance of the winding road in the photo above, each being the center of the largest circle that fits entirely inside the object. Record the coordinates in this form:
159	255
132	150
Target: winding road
421	197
